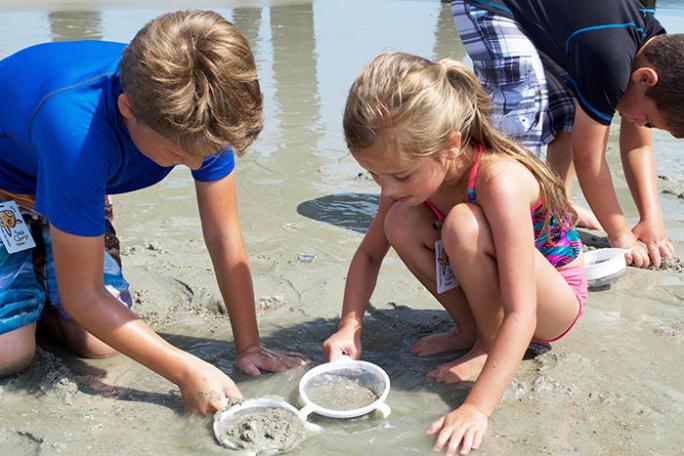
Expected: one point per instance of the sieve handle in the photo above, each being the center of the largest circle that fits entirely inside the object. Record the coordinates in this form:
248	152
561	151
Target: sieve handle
305	411
384	409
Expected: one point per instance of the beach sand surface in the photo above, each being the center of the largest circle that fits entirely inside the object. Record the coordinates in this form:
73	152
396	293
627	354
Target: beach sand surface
613	386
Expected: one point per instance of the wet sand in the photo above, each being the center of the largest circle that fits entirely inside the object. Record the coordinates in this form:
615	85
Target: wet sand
340	392
613	386
264	430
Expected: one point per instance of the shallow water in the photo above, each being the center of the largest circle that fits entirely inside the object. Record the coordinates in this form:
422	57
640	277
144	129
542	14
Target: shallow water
615	385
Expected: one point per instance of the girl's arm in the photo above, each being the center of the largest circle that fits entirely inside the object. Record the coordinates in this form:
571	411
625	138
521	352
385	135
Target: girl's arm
218	207
505	200
361	279
505	190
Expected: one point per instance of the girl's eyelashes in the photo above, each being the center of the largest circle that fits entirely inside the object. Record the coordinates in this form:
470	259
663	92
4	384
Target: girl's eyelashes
402	178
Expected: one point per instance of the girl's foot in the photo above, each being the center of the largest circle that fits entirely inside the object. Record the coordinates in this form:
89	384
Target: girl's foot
442	342
465	369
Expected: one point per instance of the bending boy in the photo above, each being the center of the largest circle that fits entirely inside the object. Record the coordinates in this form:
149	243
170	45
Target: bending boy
559	72
81	120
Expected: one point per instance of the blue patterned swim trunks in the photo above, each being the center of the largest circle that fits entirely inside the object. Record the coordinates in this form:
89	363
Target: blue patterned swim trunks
28	281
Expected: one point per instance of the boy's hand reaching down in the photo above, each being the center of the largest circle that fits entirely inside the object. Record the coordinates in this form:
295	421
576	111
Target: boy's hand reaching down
653	236
207	390
257	358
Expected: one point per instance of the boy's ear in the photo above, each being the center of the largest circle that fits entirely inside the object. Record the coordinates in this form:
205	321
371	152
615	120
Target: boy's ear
124	104
454	145
645	75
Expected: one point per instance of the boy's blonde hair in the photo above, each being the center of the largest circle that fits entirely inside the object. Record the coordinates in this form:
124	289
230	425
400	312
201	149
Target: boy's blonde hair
191	77
414	105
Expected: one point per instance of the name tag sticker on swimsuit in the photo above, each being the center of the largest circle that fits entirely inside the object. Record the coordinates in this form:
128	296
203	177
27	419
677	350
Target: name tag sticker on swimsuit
14	232
446	280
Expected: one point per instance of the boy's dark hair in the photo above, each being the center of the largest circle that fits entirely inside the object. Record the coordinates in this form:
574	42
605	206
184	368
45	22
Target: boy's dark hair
666	54
191	77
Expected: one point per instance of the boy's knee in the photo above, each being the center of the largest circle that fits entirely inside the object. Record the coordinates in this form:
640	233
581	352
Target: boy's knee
88	346
463	228
17	349
81	342
101	350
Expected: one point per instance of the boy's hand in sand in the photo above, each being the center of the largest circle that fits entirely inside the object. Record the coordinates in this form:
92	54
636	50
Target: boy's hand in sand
206	389
346	341
636	254
657	243
254	359
465	426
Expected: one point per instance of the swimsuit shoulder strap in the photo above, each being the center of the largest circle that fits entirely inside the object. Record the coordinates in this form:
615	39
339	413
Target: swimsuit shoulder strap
472	197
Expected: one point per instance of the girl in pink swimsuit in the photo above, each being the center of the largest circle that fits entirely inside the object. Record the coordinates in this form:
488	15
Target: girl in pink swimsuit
422	129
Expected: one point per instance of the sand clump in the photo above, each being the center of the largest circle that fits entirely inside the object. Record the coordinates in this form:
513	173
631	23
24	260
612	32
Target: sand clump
673	264
46	374
264	429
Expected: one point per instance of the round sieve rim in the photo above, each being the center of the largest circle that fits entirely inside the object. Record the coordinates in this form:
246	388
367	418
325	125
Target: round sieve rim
339	365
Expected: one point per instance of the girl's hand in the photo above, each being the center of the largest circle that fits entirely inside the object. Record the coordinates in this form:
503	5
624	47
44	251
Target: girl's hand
465	426
206	389
346	341
256	358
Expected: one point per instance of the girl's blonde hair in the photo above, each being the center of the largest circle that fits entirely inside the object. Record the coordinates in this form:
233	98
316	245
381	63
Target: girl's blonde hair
414	105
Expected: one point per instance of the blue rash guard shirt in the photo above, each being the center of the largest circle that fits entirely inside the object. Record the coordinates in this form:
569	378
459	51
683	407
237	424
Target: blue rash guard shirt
62	137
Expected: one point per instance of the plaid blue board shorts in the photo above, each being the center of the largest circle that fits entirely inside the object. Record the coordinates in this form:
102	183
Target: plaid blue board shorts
28	281
531	101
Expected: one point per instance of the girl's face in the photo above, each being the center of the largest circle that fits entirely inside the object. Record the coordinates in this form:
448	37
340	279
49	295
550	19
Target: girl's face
410	181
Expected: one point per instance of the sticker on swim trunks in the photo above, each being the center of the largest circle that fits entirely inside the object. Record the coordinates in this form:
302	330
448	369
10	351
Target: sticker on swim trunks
14	232
446	280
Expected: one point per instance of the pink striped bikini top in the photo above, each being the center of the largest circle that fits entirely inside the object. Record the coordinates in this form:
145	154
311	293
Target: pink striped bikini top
559	244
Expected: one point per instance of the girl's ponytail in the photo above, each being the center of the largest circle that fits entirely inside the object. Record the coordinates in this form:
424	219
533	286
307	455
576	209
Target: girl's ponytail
482	131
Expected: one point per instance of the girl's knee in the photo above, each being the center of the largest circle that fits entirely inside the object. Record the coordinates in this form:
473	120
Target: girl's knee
399	225
17	349
465	229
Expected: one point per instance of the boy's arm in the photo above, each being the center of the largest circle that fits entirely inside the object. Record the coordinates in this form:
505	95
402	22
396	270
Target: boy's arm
589	139
79	267
361	279
638	161
218	207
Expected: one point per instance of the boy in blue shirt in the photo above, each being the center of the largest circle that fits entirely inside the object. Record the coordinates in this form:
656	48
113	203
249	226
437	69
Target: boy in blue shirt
82	120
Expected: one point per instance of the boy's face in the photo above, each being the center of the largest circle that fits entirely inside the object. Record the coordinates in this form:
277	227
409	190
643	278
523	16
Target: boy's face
159	149
635	106
153	145
639	109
